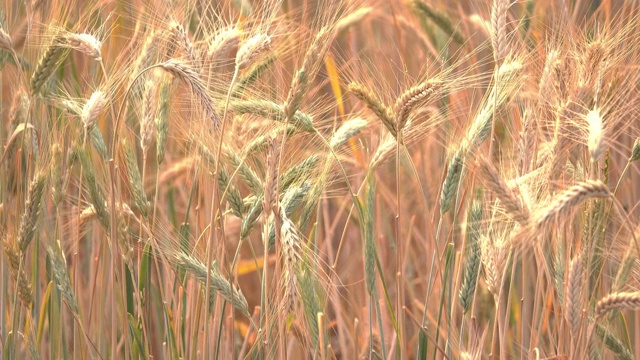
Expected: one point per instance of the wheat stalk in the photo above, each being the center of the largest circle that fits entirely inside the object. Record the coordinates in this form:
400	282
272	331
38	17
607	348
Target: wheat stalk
635	151
561	142
551	75
293	197
251	75
626	265
504	85
232	194
495	258
259	143
148	50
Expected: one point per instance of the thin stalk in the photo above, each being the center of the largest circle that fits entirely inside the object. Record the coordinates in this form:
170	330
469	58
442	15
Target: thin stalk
400	253
215	202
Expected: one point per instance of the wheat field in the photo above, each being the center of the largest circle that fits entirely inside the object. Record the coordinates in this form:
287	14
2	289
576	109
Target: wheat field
320	179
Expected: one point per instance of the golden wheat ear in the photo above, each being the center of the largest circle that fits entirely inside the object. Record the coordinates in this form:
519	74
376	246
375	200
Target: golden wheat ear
618	301
190	77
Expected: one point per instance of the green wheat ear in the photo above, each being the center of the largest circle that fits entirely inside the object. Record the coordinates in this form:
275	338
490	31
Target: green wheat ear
473	255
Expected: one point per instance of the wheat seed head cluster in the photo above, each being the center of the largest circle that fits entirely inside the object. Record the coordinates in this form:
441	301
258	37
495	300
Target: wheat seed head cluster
306	179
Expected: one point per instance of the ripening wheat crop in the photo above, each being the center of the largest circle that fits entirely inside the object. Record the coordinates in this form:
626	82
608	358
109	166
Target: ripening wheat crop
320	179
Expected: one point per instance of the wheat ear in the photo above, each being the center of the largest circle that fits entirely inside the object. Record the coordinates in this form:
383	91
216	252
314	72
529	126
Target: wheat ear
613	343
271	110
511	200
251	49
551	78
635	151
290	242
149	111
440	19
162	120
95	193
31	213
451	182
15	262
181	38
217	282
595	142
499	11
47	65
223	42
59	267
618	301
59	178
349	129
409	100
306	72
573	295
473	258
187	75
353	18
135	179
91	110
373	102
85	43
568	199
591	62
5	41
271	175
232	194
